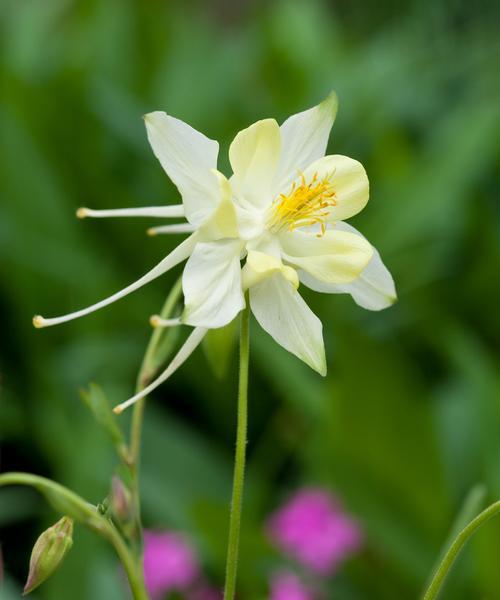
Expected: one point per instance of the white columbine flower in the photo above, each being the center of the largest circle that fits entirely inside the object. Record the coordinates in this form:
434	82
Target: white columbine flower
281	213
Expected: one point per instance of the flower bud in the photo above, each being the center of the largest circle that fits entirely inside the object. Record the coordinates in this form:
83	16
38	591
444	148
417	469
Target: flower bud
123	509
48	552
121	501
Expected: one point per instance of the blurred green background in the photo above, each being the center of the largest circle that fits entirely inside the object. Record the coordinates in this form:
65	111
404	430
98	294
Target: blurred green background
408	418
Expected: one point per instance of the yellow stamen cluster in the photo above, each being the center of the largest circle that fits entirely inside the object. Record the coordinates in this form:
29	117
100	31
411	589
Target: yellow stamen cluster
307	204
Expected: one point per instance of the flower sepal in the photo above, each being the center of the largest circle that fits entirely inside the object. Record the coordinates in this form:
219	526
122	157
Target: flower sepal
48	553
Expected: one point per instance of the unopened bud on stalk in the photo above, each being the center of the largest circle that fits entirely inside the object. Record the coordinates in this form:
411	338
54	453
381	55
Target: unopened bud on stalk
48	552
121	501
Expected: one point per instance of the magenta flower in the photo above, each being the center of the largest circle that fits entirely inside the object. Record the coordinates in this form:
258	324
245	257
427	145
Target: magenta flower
287	586
312	528
205	592
170	563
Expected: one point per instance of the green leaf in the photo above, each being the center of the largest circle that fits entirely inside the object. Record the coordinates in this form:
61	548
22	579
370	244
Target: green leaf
97	402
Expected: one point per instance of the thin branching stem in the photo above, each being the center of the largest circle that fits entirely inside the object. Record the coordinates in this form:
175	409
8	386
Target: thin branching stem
146	372
75	506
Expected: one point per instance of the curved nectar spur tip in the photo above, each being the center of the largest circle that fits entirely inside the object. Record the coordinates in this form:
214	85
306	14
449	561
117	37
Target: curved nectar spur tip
151	231
118	410
38	322
82	212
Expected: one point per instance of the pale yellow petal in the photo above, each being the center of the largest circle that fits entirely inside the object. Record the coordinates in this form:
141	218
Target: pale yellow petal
373	289
223	222
254	155
348	181
260	266
334	257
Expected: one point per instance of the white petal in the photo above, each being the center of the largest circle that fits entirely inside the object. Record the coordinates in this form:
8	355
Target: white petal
174	258
179	359
282	312
212	284
304	138
254	155
187	157
348	180
251	221
374	289
334	257
176	210
222	223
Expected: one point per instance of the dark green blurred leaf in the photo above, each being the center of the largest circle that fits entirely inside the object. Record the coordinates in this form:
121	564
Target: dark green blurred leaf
219	346
97	402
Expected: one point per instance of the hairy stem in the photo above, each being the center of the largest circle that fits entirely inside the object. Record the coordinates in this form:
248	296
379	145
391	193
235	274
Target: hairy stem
146	372
239	461
148	368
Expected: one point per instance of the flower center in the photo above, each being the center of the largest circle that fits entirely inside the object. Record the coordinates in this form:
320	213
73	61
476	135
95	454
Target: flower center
306	204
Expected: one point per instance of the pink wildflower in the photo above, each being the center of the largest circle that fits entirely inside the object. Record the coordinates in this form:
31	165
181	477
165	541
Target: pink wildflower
313	529
205	592
170	563
287	586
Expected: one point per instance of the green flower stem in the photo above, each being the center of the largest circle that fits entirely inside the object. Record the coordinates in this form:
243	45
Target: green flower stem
66	501
148	368
133	570
449	558
239	461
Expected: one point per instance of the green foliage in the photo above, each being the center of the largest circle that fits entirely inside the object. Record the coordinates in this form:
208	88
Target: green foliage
408	418
219	346
96	401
